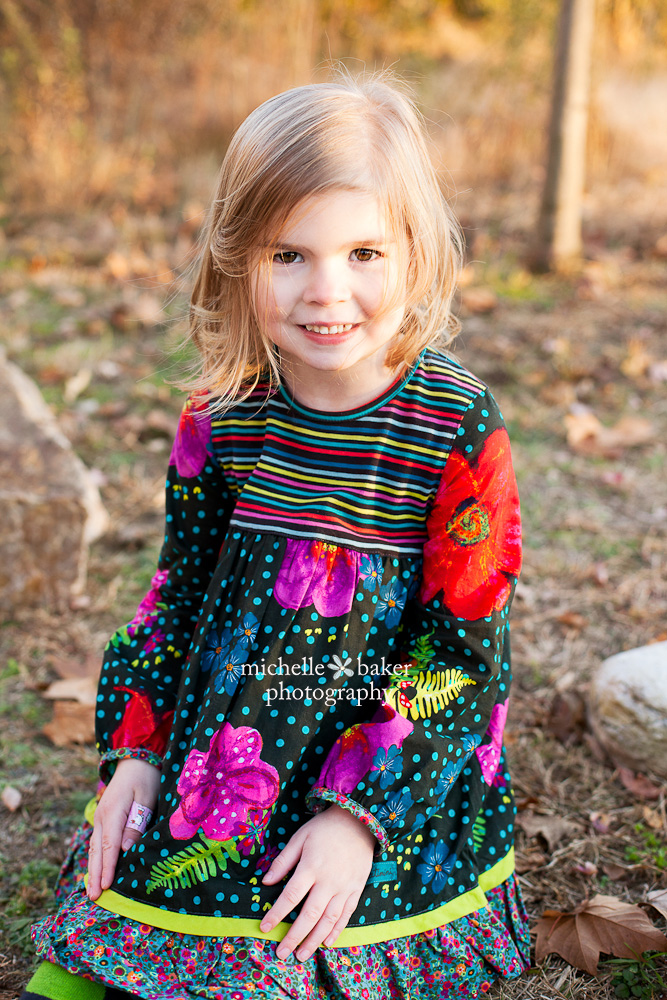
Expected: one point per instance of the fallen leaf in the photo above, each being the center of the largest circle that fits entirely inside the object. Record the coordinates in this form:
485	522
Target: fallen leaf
71	723
658	371
572	619
80	689
479	300
567	717
603	924
72	667
658	900
552	828
638	784
652	818
614	871
588	436
638	359
528	861
11	798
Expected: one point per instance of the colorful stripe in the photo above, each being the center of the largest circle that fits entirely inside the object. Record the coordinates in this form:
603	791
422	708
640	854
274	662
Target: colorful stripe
385	464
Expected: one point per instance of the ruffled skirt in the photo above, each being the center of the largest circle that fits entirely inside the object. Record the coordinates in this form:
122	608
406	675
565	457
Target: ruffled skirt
461	959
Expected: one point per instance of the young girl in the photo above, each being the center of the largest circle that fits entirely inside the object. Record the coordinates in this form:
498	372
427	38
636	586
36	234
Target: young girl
301	729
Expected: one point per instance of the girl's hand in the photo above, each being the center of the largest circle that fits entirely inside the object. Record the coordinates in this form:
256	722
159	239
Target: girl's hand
334	851
132	780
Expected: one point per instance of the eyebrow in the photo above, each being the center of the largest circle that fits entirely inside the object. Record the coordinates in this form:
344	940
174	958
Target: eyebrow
369	242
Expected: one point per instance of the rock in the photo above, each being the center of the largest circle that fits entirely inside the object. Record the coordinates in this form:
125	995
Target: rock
51	508
628	708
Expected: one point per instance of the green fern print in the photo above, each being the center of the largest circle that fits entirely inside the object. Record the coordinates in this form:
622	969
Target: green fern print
433	691
196	863
479	830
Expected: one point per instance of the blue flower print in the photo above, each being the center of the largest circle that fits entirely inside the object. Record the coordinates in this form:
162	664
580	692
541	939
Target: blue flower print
438	863
230	670
370	571
391	603
470	742
448	776
387	764
247	630
392	812
217	647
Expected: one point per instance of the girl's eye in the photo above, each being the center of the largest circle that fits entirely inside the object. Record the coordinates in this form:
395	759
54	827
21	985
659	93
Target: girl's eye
286	257
364	254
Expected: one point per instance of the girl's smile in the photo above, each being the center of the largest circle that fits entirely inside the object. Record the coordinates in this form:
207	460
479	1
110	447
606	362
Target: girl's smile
322	297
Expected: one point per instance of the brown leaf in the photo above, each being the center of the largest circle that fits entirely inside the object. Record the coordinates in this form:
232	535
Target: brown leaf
72	667
603	924
527	861
11	798
638	784
658	899
586	435
71	723
81	689
572	619
479	300
652	818
567	717
552	828
614	871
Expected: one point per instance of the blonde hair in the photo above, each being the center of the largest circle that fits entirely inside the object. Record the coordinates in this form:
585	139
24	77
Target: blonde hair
359	134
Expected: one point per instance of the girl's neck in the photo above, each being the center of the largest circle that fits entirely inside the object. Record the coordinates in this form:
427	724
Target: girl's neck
339	390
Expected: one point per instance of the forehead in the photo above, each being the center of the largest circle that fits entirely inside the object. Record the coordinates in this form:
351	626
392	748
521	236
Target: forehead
337	216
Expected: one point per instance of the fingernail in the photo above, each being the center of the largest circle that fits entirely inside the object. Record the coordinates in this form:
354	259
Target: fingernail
127	844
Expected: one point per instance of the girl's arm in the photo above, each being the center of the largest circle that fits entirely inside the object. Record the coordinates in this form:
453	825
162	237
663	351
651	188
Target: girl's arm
144	659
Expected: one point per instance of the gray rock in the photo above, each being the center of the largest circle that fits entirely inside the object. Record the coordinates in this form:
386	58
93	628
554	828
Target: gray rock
628	708
50	508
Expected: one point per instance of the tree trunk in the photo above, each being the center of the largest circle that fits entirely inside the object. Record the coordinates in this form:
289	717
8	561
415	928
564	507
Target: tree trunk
558	242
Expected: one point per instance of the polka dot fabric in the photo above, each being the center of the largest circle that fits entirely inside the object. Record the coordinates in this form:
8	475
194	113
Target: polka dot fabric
328	623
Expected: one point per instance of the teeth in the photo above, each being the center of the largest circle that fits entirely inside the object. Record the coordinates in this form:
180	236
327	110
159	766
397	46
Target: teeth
328	329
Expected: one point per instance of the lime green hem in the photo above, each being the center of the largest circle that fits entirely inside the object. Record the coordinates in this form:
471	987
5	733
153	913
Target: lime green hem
188	923
89	811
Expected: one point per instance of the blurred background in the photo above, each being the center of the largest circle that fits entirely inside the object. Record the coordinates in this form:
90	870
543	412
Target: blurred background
114	117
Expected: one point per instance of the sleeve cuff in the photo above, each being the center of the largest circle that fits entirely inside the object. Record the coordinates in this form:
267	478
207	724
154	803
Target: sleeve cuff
109	760
318	797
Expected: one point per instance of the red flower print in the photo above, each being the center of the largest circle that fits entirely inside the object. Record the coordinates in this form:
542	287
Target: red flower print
474	530
141	725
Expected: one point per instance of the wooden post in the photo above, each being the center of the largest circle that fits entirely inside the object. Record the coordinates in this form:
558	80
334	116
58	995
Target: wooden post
558	238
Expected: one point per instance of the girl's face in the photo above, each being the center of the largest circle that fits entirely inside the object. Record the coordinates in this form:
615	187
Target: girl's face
320	298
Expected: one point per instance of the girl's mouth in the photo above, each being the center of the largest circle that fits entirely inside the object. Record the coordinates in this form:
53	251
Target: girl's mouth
328	330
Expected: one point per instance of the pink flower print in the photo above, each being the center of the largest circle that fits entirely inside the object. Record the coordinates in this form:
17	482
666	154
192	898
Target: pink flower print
488	754
351	757
222	787
150	604
319	573
190	448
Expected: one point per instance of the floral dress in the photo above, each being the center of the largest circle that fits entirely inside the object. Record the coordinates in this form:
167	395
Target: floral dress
328	623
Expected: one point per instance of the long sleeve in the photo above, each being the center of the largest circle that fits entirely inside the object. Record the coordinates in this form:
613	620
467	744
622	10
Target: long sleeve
440	722
144	659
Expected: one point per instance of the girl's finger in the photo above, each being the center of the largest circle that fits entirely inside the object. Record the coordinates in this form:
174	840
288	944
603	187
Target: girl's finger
295	890
308	919
285	861
334	913
342	922
94	863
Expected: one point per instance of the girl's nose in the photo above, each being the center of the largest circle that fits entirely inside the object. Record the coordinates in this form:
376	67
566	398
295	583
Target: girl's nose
327	284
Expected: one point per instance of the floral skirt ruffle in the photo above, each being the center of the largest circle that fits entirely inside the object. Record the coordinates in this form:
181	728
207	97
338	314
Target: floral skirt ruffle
461	959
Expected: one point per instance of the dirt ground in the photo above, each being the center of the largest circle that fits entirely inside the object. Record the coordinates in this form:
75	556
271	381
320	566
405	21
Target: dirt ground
82	314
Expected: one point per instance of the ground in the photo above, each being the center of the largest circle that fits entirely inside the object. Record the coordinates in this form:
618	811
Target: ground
82	316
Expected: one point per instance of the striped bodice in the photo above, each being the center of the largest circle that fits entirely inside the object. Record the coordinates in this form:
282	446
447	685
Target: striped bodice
363	478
